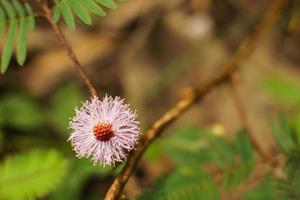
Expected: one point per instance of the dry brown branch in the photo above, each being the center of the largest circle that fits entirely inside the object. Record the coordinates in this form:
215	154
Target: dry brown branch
244	118
195	96
55	26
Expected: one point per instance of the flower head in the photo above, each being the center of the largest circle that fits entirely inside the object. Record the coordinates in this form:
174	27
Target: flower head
104	130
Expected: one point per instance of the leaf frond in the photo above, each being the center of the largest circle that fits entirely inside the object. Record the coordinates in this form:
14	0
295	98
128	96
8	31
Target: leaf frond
31	175
15	20
182	184
82	9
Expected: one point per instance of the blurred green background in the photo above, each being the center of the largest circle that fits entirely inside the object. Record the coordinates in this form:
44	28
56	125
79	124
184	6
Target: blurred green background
151	53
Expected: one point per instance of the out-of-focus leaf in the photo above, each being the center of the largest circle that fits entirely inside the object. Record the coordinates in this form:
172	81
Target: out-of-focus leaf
31	20
2	21
234	159
283	89
182	184
293	162
67	14
193	147
9	42
80	171
282	138
153	152
80	11
64	102
286	189
94	8
31	175
263	191
19	18
1	139
21	112
186	146
224	149
108	3
21	44
244	148
296	125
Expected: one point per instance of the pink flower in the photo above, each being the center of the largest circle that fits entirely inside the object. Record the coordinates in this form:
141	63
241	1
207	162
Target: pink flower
104	130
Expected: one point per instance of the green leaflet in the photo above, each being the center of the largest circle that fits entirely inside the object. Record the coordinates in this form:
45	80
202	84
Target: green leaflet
8	46
82	9
19	19
284	140
21	44
67	14
108	3
243	146
21	47
42	172
288	186
94	8
2	20
31	22
9	9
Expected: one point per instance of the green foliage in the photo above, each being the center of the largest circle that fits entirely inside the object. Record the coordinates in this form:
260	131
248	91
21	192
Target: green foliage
31	175
20	111
1	140
63	103
283	89
262	191
288	188
187	146
16	19
194	147
183	184
82	9
296	126
293	162
286	132
80	171
234	159
286	91
282	134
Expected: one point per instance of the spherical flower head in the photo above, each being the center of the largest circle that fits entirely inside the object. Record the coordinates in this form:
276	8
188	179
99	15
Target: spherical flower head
104	130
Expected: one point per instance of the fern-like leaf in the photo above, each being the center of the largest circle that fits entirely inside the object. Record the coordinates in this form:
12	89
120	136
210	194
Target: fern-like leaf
287	190
82	9
288	187
182	184
15	19
235	159
193	148
263	190
31	175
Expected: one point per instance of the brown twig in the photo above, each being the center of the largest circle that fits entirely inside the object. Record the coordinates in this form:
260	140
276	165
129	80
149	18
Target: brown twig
195	96
67	46
244	118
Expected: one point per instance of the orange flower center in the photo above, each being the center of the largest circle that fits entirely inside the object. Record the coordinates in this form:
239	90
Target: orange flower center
103	131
